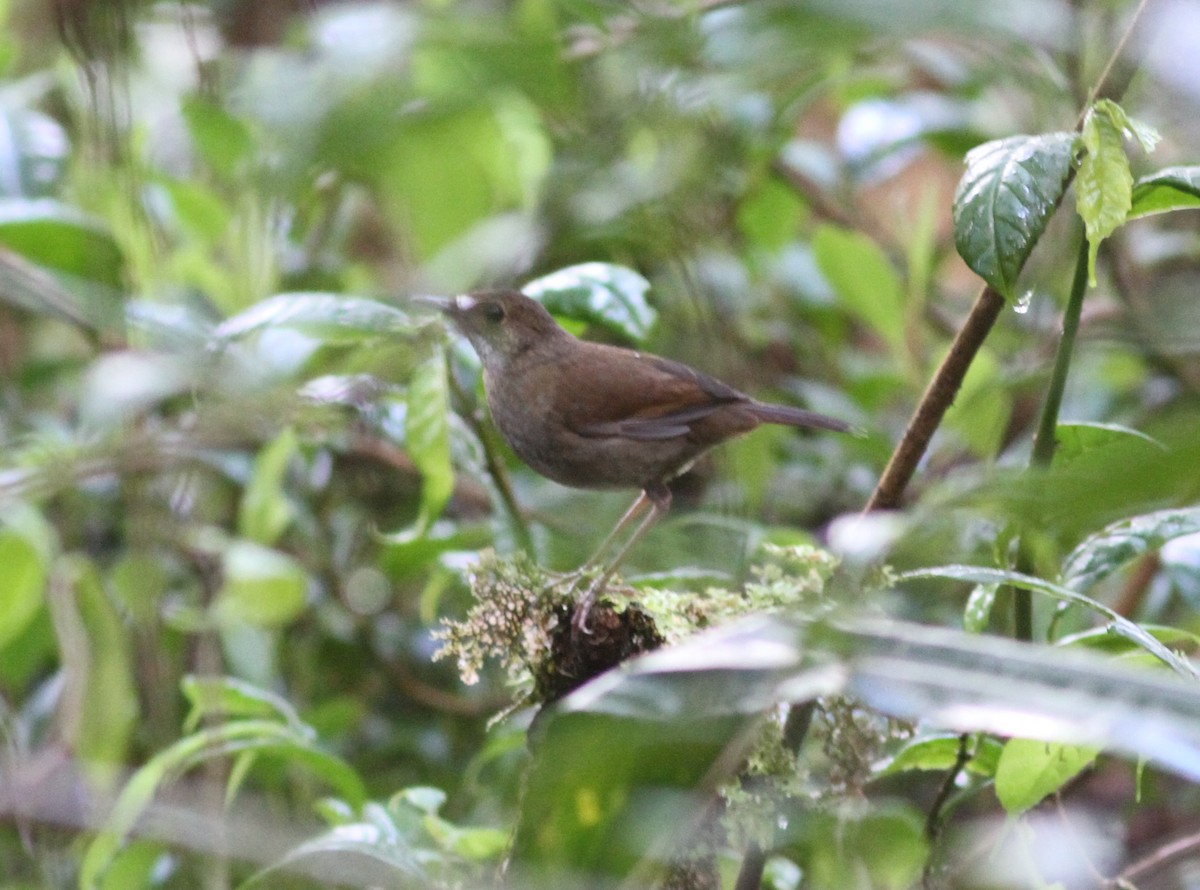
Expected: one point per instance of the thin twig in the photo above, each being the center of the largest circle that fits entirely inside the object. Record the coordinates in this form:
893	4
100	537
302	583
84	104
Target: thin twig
1167	854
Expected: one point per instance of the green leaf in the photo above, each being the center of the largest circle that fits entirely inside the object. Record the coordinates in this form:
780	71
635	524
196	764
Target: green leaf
1173	188
61	238
864	280
1104	184
331	318
27	544
983	406
233	698
768	215
265	510
34	151
611	296
198	210
1004	200
230	739
972	683
260	586
1074	440
427	435
1030	770
940	752
449	166
1101	554
1120	624
99	705
223	141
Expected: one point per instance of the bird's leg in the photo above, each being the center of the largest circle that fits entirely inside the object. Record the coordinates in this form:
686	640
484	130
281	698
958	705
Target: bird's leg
659	498
634	509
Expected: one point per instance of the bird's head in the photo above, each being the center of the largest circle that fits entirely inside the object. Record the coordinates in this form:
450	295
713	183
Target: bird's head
501	324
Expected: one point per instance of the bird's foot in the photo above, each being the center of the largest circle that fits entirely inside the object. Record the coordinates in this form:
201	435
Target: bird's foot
583	612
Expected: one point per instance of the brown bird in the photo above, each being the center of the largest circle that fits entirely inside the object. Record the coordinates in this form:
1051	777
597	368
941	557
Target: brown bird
590	415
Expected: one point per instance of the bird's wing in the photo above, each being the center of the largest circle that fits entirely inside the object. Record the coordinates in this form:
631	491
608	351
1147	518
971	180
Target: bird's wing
651	399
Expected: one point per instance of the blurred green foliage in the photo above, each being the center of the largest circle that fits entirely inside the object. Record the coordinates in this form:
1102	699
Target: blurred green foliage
243	478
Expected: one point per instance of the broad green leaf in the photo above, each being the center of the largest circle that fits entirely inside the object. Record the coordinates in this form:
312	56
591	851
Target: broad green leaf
33	153
260	586
265	510
138	865
27	544
233	698
768	215
1104	552
198	210
99	705
449	166
1173	188
227	740
971	683
62	238
1119	623
1008	193
1030	770
332	318
940	752
983	406
864	280
223	141
1104	183
427	435
611	296
1073	440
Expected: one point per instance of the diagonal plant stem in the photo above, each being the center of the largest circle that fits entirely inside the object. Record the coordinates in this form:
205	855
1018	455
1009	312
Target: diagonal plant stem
947	380
936	401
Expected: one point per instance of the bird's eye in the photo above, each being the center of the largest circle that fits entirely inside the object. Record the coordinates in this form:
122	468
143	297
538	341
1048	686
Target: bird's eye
493	312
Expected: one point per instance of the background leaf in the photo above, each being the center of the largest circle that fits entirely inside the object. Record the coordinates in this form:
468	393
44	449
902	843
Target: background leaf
864	281
333	318
603	294
1173	188
427	435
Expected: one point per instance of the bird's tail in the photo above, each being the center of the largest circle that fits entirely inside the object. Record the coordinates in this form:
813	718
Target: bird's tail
790	416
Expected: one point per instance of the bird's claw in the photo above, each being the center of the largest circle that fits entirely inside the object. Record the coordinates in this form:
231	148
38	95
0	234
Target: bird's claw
583	611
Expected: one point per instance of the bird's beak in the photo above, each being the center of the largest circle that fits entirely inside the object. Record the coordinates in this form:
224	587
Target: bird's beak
441	304
453	307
